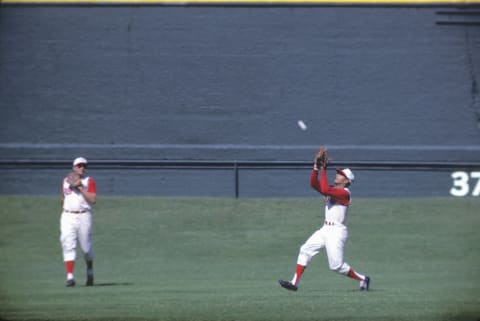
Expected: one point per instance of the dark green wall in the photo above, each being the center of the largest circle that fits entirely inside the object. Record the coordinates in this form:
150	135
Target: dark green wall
152	82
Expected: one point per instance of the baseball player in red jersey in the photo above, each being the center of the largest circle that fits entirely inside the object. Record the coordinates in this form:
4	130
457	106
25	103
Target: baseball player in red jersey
76	219
333	234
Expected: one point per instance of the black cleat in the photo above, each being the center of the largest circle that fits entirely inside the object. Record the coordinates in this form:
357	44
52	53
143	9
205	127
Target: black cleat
288	285
89	280
365	284
70	283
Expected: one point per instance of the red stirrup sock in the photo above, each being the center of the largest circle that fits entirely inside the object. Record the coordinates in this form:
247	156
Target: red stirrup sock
355	275
298	274
69	266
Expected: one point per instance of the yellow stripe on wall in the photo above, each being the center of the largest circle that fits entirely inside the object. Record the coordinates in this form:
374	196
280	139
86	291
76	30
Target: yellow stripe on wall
227	2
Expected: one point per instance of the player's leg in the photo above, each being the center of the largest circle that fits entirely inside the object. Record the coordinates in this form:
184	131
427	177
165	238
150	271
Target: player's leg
363	279
308	250
68	240
85	240
335	247
89	272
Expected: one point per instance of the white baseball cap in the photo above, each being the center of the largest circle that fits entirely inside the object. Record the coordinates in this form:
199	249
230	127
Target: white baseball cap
347	172
80	160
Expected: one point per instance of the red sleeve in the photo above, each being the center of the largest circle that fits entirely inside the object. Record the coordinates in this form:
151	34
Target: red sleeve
340	195
92	187
314	180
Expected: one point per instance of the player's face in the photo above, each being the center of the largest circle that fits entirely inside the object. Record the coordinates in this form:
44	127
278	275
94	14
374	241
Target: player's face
340	180
80	169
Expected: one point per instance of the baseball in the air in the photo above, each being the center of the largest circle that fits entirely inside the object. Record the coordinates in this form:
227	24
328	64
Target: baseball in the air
302	125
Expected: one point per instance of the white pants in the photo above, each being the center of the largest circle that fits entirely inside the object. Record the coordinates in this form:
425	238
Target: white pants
331	237
73	228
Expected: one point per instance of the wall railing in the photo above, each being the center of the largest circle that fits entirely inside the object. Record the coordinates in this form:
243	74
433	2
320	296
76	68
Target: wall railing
237	165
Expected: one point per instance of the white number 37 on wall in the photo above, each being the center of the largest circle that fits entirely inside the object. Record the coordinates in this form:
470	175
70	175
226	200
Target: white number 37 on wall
462	181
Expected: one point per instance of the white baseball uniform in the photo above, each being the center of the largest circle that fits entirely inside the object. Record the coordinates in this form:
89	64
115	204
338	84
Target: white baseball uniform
76	221
332	235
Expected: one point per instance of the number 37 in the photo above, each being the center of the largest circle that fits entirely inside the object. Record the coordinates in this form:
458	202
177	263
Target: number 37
461	184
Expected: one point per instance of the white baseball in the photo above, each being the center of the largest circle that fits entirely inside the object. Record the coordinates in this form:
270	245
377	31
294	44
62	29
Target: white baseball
302	125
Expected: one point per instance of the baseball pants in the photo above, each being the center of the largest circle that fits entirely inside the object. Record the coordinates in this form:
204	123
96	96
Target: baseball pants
333	239
75	227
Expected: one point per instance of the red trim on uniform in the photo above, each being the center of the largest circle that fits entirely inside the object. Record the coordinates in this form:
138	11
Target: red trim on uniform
314	180
339	195
299	271
92	187
69	265
341	172
354	275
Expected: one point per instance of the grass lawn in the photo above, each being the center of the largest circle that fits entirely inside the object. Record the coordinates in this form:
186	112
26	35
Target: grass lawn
220	259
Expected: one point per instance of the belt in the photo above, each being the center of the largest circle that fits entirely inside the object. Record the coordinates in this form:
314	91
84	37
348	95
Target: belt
75	212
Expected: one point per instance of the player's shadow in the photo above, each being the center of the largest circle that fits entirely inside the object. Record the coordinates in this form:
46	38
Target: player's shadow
114	284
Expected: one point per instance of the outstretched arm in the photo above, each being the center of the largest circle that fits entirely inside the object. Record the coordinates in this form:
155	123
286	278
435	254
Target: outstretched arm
314	182
321	185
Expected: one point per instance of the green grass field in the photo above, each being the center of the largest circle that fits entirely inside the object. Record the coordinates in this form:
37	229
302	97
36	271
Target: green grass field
220	259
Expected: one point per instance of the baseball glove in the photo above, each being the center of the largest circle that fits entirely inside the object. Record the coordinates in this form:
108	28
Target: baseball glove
73	179
321	158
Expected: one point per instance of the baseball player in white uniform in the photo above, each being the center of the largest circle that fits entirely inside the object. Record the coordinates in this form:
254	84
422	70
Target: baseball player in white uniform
333	234
76	220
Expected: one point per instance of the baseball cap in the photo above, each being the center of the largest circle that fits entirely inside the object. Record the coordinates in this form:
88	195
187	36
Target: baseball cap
80	160
347	172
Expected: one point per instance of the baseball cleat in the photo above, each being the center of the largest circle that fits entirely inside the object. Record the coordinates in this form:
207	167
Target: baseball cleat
89	280
70	283
365	284
288	285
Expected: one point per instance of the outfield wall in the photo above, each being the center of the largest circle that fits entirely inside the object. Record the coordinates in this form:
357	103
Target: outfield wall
376	83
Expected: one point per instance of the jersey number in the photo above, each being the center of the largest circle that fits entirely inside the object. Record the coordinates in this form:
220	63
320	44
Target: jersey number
461	184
